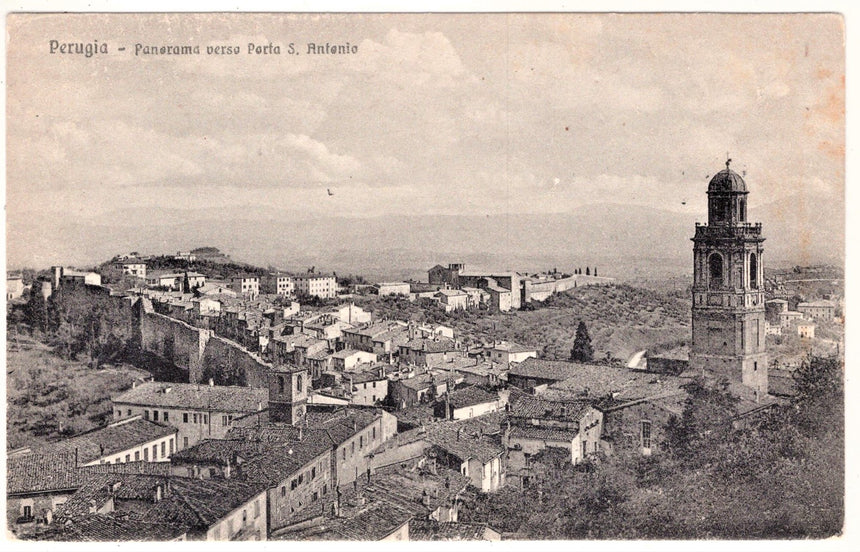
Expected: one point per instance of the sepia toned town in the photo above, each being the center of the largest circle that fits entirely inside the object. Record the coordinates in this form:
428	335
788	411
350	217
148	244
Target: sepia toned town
209	394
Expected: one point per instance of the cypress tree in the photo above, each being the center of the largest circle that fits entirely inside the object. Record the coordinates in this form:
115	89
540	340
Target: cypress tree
582	350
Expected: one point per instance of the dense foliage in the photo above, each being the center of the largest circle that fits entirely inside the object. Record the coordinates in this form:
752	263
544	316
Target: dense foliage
778	475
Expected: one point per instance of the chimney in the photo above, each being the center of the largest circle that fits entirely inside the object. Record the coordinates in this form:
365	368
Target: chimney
134	384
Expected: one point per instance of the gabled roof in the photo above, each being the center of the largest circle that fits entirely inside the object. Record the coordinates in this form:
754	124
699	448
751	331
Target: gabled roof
41	472
470	396
539	408
219	452
431	344
196	397
114	438
543	433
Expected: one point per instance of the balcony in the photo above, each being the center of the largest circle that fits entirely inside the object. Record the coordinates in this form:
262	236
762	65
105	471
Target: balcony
741	229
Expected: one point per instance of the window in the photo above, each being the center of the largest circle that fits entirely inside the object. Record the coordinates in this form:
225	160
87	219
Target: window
280	384
170	445
128	457
129	412
584	448
119	413
314	472
753	271
137	455
646	434
299	383
361	441
256	509
353	448
224	420
185	442
244	517
28	512
185	417
316	496
162	449
195	417
373	433
293	484
715	268
283	490
155	452
146	414
155	415
145	455
166	417
206	418
343	452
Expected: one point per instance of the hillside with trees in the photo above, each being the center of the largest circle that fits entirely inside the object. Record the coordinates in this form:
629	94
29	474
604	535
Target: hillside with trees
620	320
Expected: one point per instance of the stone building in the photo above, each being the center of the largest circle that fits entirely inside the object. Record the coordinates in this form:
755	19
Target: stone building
728	287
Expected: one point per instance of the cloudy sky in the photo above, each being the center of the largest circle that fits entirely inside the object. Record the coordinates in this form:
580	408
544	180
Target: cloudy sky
446	114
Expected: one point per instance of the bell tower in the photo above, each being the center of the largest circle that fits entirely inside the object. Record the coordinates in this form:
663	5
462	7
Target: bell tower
288	394
728	287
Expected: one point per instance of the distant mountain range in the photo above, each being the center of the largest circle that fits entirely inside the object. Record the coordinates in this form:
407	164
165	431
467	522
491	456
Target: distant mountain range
622	240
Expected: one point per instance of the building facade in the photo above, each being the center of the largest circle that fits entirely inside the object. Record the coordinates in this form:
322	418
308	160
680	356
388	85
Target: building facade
728	287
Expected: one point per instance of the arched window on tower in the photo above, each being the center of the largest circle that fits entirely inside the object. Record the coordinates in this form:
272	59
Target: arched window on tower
299	383
715	271
753	271
280	384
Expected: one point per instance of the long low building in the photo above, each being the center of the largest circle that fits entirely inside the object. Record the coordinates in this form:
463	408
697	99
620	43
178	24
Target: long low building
131	439
197	411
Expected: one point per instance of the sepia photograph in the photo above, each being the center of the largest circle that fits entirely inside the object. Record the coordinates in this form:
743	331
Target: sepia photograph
425	277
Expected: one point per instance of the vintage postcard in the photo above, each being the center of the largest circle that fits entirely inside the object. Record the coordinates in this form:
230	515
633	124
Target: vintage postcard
353	276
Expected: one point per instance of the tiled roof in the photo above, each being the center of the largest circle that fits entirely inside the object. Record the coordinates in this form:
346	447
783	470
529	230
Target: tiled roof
431	530
114	438
451	292
39	472
116	528
555	370
543	433
540	408
346	353
375	329
218	451
511	347
209	499
470	396
466	445
821	303
196	397
139	468
281	461
431	345
619	383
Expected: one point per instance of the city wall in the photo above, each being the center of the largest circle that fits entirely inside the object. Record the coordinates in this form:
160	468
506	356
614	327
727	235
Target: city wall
194	349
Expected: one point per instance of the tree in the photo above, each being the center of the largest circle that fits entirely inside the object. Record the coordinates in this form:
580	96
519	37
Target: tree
36	311
582	350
